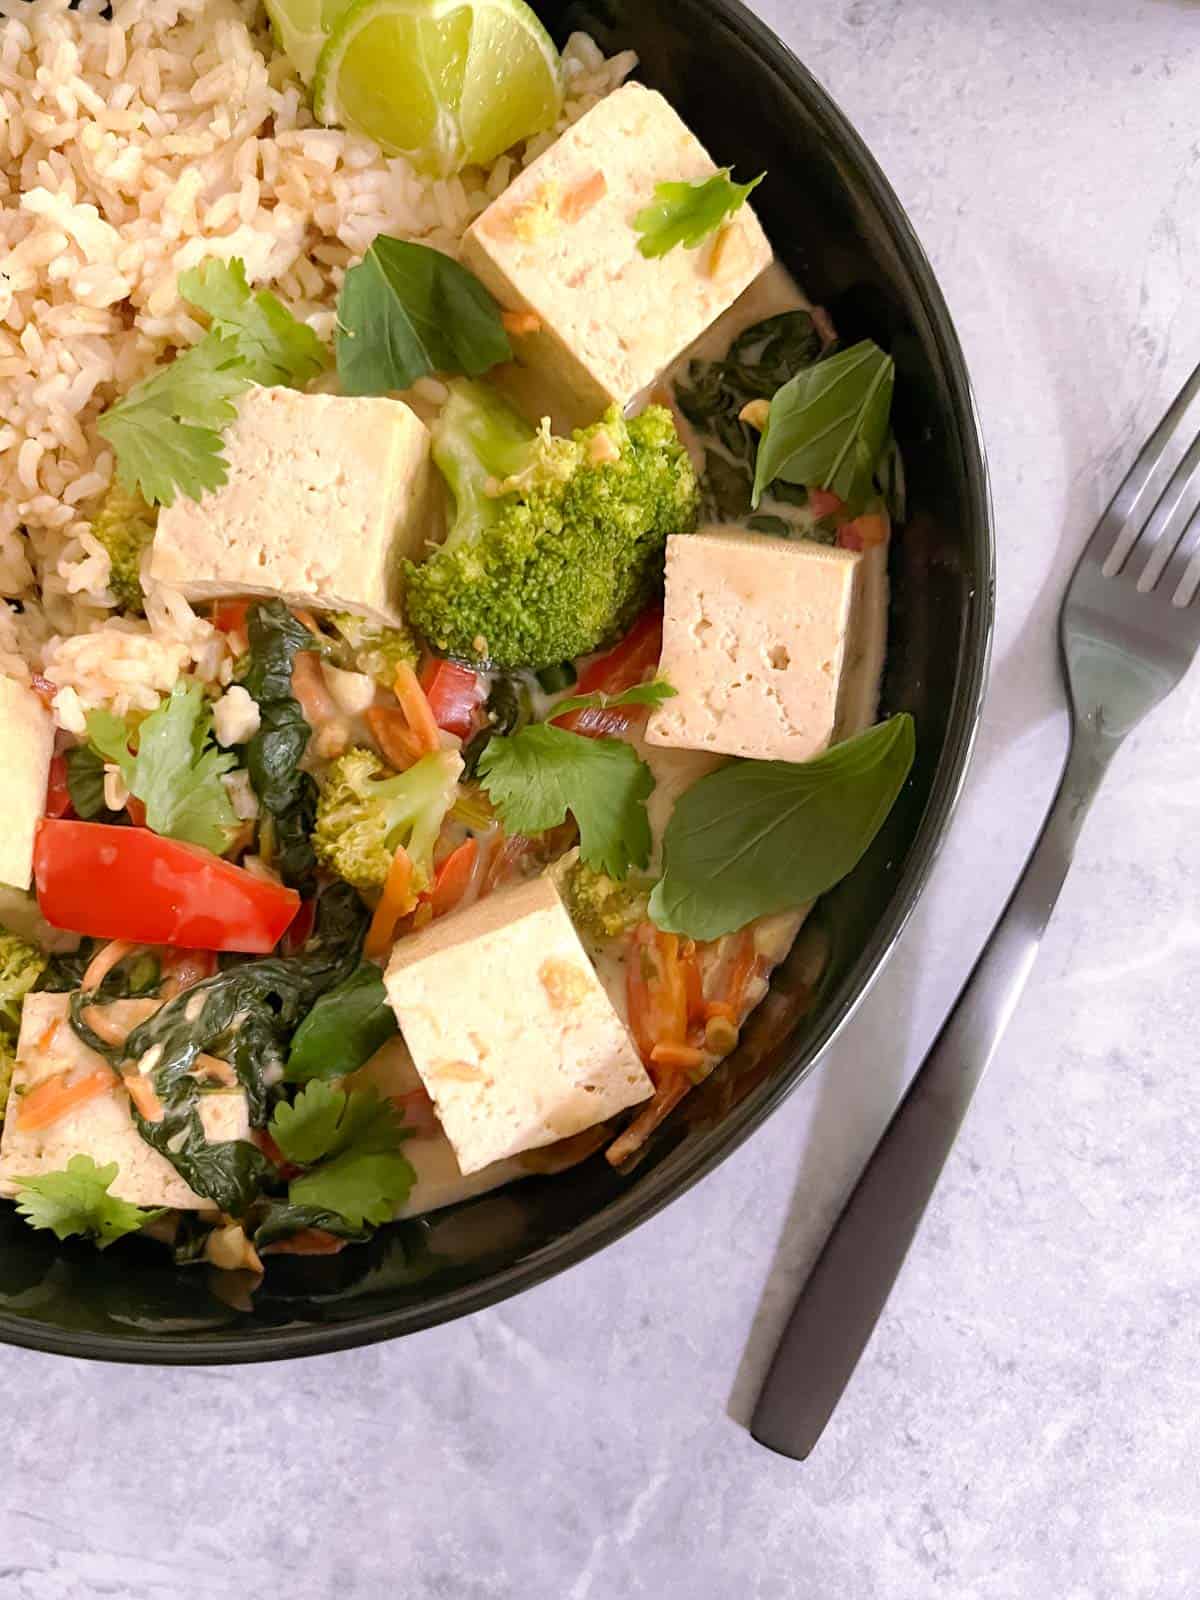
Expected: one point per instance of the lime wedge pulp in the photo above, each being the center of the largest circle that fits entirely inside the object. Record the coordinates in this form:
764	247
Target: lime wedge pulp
447	83
302	27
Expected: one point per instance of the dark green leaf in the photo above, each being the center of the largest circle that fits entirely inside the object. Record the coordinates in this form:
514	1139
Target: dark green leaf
274	347
764	836
827	425
686	213
351	1141
273	755
230	1173
345	1028
280	1219
77	1200
406	311
536	776
85	781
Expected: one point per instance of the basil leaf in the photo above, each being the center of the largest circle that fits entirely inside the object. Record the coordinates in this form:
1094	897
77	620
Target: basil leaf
345	1028
85	781
828	425
763	836
406	311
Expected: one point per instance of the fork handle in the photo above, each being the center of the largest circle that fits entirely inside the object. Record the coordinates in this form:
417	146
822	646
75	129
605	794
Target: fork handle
846	1291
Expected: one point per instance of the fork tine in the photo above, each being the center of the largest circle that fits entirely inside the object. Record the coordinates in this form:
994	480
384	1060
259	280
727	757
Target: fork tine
1105	545
1151	550
1185	553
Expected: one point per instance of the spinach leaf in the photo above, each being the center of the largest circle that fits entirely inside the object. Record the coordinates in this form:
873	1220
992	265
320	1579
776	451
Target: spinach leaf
85	781
128	980
759	361
246	1014
280	1218
407	310
345	1028
273	755
763	836
828	425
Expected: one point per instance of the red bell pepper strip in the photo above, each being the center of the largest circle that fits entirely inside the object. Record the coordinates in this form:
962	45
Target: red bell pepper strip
454	693
632	661
128	883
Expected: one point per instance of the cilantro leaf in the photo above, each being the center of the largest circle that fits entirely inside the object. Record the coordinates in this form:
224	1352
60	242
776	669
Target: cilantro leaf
686	213
350	1140
77	1200
176	770
641	694
536	776
763	836
827	428
275	346
167	430
408	310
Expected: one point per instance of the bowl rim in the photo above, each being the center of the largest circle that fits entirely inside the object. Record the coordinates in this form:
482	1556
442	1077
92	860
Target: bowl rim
714	1145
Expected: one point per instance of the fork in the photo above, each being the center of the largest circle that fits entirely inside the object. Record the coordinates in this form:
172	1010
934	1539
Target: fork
1128	633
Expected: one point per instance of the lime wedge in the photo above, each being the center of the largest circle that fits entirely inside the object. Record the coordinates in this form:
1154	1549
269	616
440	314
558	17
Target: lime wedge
302	27
447	83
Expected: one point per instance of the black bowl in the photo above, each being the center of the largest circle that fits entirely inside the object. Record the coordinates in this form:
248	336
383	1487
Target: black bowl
836	223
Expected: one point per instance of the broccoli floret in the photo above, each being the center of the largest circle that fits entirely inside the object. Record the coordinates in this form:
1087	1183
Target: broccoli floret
363	814
555	544
600	906
124	525
21	965
374	649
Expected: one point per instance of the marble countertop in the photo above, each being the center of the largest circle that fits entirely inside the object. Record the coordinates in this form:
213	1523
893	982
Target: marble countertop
1026	1422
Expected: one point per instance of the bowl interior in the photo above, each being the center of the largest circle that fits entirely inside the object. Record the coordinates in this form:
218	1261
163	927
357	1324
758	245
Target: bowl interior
835	223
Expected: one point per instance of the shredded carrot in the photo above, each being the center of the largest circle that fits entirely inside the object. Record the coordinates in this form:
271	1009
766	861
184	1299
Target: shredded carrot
864	533
206	1066
520	322
668	1095
453	877
416	708
719	1008
583	197
102	963
309	621
106	1027
391	733
677	1055
745	963
656	989
47	1038
396	901
55	1097
507	853
306	1242
142	1093
693	984
308	686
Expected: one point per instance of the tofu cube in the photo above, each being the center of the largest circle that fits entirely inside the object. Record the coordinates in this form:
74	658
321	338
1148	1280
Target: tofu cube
26	745
754	640
560	243
511	1030
103	1127
324	498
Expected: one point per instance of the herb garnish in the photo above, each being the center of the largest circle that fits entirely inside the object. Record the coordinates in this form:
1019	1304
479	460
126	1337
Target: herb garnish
762	836
686	213
408	310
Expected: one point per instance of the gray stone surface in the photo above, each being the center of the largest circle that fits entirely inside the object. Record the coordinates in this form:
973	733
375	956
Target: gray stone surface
1026	1423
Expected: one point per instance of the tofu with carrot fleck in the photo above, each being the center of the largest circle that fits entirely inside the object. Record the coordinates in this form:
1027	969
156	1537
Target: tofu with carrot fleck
510	1029
560	244
102	1125
325	496
26	745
